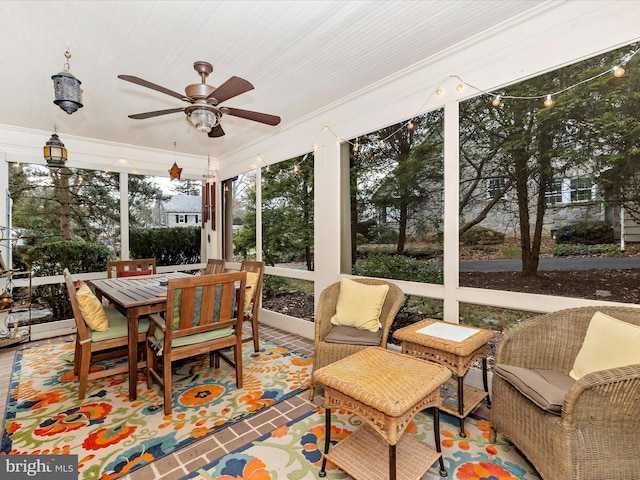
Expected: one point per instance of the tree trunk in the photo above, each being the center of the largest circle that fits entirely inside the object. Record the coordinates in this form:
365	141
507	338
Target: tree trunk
65	208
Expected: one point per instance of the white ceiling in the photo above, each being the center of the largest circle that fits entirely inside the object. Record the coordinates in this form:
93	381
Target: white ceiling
300	55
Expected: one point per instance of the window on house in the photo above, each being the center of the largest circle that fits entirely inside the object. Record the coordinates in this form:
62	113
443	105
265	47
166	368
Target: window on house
181	218
495	188
553	196
582	189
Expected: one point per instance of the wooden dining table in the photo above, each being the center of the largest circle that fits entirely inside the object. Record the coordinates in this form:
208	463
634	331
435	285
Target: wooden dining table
135	297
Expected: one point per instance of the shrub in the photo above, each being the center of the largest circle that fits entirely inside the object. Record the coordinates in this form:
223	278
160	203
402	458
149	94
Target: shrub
569	249
587	233
482	236
272	284
169	246
49	259
399	267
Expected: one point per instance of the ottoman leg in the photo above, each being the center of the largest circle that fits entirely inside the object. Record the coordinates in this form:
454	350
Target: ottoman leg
327	441
392	462
436	434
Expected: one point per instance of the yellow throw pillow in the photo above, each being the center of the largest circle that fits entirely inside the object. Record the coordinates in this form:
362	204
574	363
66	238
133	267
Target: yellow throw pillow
609	343
252	282
359	305
92	310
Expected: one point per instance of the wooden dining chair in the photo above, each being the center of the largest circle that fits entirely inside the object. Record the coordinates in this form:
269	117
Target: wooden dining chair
131	268
214	265
199	320
255	274
101	334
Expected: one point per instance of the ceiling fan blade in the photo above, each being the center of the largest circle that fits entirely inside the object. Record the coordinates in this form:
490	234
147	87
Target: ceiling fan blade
229	89
216	131
141	116
153	86
250	115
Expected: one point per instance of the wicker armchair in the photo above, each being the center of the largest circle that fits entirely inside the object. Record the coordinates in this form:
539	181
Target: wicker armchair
326	353
595	436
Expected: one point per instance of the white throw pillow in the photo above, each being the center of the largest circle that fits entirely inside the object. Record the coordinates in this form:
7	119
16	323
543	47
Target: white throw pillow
608	343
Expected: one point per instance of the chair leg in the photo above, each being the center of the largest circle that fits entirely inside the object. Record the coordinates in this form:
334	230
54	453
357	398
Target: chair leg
166	380
254	329
237	358
312	393
76	358
83	374
151	364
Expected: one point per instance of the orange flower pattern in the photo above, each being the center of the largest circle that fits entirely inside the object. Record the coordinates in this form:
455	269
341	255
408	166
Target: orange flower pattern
113	436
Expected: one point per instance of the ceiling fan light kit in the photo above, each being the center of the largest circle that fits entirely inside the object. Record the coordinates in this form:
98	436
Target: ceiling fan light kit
204	112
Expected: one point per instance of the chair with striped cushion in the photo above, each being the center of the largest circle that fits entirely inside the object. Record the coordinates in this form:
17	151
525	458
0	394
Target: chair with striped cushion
200	319
93	345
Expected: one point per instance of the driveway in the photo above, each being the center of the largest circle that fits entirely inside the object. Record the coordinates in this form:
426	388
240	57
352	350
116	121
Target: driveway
515	265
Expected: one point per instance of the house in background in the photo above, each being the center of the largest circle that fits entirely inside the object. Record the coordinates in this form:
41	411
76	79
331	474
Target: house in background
178	211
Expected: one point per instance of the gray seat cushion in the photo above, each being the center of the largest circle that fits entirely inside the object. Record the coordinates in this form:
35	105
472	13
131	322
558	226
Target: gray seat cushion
353	336
545	388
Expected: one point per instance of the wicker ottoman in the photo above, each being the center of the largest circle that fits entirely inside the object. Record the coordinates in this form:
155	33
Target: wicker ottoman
386	389
455	355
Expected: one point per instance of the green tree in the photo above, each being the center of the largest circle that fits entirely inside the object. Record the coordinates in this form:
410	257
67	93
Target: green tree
287	214
398	170
74	203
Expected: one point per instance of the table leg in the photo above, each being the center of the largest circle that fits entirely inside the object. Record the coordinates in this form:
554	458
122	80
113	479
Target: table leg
436	434
327	441
392	462
485	381
132	329
461	404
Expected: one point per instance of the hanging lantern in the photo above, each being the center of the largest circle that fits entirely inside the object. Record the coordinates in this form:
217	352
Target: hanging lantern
55	152
67	89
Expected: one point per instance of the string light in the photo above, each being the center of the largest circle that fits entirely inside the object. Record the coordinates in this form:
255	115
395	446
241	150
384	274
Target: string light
618	71
497	99
548	101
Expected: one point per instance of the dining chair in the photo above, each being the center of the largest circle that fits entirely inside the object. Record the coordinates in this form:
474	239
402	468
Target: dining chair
255	274
131	268
101	334
214	265
199	320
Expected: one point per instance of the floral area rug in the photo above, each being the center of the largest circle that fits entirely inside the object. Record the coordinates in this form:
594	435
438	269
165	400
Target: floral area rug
113	436
293	451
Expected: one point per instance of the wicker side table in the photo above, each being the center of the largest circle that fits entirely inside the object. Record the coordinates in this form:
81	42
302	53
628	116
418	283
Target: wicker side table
386	389
456	356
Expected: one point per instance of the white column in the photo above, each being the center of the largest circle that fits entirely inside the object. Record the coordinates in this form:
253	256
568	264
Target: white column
451	208
327	215
258	213
124	216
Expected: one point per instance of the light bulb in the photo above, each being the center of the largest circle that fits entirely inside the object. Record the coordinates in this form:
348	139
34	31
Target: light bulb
549	101
410	125
496	101
460	87
355	147
439	91
618	71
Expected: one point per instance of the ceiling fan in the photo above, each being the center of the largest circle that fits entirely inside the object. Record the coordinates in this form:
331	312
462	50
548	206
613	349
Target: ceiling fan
205	111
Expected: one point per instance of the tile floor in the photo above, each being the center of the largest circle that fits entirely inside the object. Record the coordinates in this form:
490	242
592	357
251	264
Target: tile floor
208	449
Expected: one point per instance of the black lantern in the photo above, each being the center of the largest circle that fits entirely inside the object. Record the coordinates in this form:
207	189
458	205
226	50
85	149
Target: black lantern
54	152
67	89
